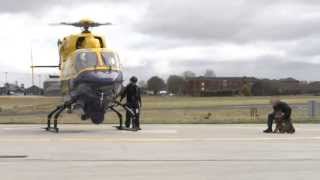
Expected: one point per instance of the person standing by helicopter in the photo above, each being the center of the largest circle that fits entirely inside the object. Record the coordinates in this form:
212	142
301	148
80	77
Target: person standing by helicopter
133	94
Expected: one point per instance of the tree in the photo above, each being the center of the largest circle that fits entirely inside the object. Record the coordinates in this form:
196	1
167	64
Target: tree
156	84
209	73
188	74
246	90
176	84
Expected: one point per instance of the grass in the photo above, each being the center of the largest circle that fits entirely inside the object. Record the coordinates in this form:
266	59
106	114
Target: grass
208	102
161	109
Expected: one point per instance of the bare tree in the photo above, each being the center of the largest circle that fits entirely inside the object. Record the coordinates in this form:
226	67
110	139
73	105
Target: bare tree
176	84
188	74
209	73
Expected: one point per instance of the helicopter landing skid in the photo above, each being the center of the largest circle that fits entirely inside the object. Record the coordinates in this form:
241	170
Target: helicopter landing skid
125	107
56	112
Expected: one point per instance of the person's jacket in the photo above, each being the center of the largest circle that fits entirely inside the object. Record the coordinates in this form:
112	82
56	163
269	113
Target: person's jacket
284	108
132	92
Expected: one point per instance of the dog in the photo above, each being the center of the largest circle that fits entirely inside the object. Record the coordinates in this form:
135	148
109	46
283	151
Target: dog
283	125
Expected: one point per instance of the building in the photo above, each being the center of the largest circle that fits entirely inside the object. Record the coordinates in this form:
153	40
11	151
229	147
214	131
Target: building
229	86
52	87
289	86
11	89
217	86
34	90
3	91
314	88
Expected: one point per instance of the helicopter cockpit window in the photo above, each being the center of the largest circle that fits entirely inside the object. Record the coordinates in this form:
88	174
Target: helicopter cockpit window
86	60
110	59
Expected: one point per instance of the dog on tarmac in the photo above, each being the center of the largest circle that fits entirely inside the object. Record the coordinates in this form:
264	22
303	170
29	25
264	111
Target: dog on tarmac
283	125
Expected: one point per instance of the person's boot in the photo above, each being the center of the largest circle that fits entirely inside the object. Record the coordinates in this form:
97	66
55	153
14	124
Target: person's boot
127	123
269	130
84	117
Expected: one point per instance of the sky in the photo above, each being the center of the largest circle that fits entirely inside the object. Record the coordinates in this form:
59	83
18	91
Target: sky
261	38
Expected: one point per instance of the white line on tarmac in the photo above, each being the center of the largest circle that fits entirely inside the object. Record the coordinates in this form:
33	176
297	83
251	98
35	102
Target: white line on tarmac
188	139
164	131
160	131
151	140
18	128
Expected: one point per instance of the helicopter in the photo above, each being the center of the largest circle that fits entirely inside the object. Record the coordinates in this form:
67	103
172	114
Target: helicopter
90	75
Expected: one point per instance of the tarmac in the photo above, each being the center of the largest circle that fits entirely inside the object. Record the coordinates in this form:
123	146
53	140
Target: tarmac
228	152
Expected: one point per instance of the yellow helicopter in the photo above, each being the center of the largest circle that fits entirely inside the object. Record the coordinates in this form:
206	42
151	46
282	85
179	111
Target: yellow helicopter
90	75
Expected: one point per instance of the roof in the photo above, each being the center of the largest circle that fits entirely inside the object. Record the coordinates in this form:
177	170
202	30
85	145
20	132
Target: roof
34	87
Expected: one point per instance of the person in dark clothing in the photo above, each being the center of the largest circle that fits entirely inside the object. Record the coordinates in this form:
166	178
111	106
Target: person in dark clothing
278	106
132	93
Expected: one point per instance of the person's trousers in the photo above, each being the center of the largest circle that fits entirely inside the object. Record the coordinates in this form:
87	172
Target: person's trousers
271	117
135	120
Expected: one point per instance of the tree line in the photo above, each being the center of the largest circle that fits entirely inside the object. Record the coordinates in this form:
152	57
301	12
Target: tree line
174	84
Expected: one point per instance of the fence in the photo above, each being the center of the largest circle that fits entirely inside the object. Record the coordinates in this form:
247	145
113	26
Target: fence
15	110
302	113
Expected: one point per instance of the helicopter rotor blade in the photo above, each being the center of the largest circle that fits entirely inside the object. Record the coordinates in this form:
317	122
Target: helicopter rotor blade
55	24
46	66
79	24
102	24
66	24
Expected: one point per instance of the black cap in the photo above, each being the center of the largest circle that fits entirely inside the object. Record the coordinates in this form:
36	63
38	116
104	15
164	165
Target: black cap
133	79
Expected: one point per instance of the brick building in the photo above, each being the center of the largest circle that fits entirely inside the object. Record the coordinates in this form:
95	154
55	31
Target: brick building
217	86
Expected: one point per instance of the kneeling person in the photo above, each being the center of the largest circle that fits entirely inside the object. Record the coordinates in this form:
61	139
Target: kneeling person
285	110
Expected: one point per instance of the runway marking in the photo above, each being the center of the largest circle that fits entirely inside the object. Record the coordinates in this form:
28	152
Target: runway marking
151	140
18	128
175	129
12	156
161	160
165	131
185	139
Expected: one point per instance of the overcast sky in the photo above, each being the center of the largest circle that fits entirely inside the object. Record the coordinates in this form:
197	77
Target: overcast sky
262	38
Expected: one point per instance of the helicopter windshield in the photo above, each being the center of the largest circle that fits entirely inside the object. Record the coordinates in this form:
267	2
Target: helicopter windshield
110	59
86	60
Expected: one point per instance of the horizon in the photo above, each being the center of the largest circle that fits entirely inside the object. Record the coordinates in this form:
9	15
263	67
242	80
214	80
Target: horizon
26	80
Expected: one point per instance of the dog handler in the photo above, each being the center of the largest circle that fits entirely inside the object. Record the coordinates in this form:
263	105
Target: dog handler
278	106
132	92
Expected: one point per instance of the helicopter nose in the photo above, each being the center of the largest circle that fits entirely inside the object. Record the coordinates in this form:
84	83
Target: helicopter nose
99	78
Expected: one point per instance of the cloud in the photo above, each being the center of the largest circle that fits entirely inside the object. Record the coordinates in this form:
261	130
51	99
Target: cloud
31	6
272	67
265	38
236	21
307	47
